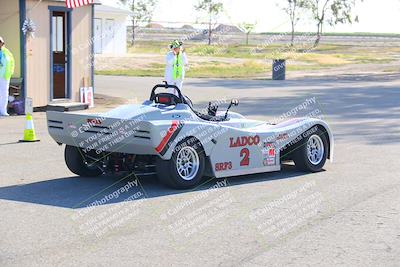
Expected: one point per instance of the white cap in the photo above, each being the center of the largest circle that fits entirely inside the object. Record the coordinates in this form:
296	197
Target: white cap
1	40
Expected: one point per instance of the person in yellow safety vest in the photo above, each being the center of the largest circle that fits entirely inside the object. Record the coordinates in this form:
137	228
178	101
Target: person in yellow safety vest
176	60
6	71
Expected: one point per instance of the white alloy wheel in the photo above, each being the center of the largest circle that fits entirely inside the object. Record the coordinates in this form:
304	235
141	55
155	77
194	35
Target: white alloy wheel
187	163
315	149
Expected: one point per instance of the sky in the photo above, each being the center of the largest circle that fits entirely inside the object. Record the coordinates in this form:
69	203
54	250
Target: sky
380	16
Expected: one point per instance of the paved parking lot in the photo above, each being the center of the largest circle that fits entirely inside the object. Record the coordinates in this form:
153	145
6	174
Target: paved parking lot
346	215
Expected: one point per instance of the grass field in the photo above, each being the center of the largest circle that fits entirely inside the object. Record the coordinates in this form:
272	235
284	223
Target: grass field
236	61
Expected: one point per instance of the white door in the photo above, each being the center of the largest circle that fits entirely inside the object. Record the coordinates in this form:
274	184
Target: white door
98	36
108	41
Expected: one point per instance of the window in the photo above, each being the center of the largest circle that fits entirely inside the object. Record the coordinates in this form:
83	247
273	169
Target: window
58	33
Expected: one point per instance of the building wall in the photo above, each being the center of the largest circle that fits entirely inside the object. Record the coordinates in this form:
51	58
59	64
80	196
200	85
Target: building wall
38	54
9	30
38	51
116	45
81	48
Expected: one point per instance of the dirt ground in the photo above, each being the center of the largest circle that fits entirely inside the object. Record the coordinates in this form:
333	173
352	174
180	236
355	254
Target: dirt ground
255	61
149	60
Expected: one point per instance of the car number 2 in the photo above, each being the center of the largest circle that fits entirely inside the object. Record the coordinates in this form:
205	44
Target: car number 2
245	154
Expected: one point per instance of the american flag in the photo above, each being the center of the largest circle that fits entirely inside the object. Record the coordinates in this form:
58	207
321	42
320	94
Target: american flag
78	3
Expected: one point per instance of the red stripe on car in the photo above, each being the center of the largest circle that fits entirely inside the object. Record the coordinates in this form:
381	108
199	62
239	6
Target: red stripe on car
166	138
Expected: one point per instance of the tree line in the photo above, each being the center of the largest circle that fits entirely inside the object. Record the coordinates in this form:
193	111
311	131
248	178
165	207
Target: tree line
322	12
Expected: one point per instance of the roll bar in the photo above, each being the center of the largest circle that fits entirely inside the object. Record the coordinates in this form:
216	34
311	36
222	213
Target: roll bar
166	86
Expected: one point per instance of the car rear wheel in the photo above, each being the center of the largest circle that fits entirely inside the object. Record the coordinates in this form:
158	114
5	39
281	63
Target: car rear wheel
78	163
312	152
186	167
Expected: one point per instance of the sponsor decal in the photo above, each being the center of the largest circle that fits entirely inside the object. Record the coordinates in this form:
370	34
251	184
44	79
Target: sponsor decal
172	133
223	166
282	136
244	141
94	122
269	154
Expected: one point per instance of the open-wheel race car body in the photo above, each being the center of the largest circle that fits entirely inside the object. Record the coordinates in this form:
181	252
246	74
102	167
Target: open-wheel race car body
167	136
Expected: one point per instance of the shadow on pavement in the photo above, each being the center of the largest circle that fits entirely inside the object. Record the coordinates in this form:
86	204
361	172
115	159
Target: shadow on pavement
369	113
78	192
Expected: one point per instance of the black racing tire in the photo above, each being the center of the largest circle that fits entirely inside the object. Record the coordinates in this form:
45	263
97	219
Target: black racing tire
300	154
167	170
74	158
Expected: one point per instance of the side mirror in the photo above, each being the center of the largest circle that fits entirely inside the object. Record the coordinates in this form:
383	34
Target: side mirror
234	102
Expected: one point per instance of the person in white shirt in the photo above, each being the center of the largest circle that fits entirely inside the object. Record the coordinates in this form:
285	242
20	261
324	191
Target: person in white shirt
176	61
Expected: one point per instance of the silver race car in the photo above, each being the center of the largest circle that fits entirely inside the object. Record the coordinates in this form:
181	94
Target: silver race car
166	136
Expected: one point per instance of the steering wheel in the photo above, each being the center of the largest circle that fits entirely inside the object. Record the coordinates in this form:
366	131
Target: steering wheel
172	98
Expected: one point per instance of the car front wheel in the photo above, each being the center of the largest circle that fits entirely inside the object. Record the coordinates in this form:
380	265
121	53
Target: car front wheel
312	153
186	167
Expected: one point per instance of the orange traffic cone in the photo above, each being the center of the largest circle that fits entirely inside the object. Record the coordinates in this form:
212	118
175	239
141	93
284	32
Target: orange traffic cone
29	132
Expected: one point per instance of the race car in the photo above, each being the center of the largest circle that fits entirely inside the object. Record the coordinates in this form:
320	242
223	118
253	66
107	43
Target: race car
167	136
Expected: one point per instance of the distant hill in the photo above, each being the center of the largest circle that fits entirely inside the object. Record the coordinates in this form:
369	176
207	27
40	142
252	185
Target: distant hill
154	26
227	28
187	27
219	31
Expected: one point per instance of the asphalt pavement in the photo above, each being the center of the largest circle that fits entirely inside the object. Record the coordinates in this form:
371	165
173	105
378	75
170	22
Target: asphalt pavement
346	215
